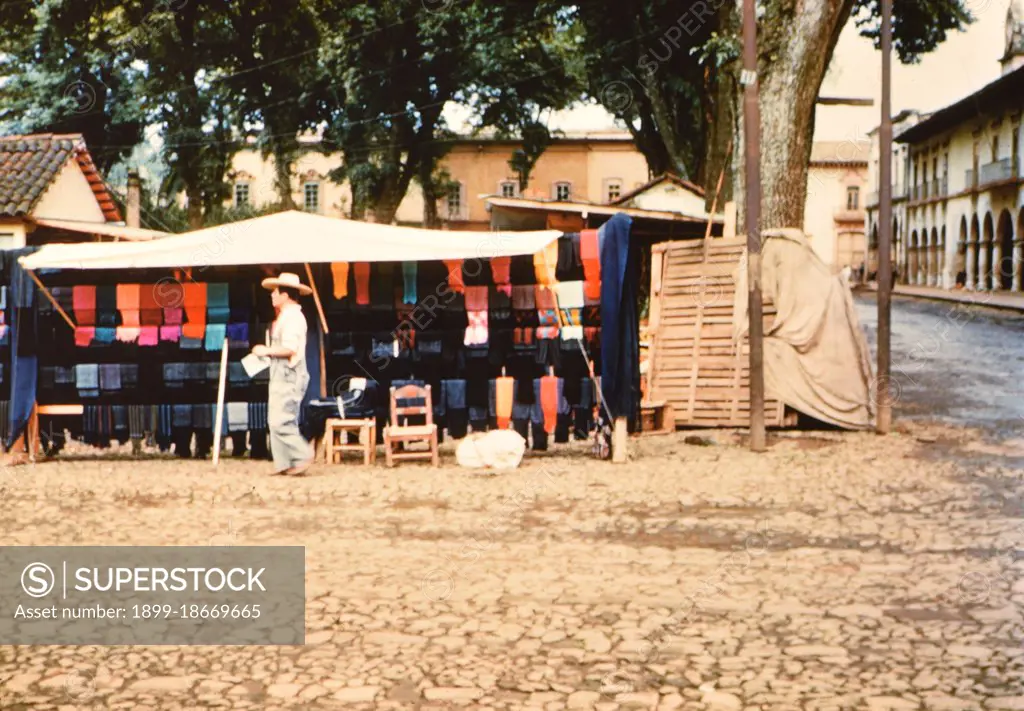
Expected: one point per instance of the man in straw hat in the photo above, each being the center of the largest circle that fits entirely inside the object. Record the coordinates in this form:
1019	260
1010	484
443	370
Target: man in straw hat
288	374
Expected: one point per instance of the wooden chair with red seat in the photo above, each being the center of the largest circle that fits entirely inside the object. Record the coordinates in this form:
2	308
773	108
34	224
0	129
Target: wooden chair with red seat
398	434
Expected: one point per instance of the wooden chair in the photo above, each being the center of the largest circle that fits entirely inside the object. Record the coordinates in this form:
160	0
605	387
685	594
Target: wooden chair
396	433
336	439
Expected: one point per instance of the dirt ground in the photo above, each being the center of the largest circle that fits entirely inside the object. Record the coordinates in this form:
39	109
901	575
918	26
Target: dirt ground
837	570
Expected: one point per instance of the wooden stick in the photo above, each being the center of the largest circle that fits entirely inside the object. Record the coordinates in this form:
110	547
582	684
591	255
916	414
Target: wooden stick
52	300
316	297
699	325
221	386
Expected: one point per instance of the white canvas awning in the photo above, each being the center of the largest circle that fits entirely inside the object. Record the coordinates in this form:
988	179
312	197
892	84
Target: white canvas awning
102	229
290	238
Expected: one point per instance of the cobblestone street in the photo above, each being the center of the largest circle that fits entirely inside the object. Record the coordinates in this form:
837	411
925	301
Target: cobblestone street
836	571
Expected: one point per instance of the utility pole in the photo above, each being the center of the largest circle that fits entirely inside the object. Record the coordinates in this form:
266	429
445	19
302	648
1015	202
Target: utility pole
752	177
883	419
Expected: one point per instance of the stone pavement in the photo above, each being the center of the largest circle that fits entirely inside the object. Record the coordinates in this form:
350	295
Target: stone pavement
836	571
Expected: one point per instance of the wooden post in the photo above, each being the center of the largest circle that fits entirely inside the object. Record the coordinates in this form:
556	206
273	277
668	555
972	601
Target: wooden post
316	298
221	386
620	432
729	228
883	418
752	175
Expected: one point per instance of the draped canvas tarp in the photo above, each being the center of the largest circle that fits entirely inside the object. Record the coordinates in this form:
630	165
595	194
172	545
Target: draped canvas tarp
291	238
816	359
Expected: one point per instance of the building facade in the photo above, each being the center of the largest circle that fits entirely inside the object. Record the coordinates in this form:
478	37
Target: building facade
593	167
834	214
960	216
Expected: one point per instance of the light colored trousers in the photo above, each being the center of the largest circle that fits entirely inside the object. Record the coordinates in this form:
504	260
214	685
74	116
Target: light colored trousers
287	445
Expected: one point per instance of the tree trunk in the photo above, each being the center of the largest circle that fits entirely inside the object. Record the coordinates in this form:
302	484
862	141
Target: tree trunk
795	44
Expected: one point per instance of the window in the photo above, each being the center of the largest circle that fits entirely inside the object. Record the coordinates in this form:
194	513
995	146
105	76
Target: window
995	148
612	190
509	188
241	194
853	198
1015	150
311	196
563	191
455	202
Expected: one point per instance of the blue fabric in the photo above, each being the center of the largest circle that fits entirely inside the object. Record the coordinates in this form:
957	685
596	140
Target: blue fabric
215	335
174	375
454	394
190	343
87	379
105	336
238	335
314	341
110	376
237	374
409	279
620	336
181	416
24	361
258	416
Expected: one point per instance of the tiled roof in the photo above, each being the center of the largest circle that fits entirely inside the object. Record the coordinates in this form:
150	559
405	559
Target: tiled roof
30	164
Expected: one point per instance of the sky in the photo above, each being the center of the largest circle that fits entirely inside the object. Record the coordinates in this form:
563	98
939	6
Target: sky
965	62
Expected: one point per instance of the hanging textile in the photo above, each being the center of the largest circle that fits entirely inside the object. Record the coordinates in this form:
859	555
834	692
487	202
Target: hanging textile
591	257
129	304
362	276
455	280
24	360
545	263
620	334
339	274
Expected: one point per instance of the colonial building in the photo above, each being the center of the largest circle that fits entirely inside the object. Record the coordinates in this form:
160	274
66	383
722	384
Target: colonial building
960	216
592	167
834	215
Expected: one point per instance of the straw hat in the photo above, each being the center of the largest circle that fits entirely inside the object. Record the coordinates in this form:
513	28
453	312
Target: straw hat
286	279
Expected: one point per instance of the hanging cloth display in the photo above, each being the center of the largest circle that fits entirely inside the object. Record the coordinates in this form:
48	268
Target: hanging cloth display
455	281
339	274
362	276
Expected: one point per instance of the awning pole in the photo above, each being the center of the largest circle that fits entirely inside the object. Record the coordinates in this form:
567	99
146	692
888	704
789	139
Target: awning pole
221	385
52	300
316	297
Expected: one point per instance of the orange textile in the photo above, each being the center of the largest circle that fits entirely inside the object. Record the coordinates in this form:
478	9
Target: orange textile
549	402
339	270
591	257
504	394
129	297
501	270
545	263
83	300
194	301
362	273
455	281
193	330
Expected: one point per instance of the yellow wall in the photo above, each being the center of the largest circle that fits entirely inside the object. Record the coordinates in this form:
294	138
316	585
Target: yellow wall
12	233
69	197
479	166
826	203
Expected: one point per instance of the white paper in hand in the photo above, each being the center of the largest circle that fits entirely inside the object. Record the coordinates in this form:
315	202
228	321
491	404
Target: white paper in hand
255	364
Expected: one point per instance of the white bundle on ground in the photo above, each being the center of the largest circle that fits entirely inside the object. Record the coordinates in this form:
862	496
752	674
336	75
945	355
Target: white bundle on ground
497	449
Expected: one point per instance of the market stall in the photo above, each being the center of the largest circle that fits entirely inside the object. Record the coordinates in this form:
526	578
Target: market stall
505	326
